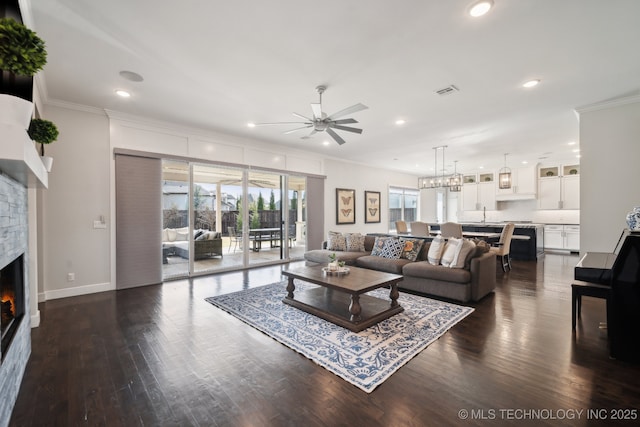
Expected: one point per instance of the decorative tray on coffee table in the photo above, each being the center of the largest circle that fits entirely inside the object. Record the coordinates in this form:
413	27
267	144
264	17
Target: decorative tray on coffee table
339	272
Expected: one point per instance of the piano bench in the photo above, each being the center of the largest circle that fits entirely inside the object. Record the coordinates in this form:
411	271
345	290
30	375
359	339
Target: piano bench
580	289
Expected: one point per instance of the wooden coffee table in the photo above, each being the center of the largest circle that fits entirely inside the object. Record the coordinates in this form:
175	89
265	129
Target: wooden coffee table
340	299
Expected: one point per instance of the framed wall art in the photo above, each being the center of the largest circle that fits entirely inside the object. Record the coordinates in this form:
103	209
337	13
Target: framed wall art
371	206
345	206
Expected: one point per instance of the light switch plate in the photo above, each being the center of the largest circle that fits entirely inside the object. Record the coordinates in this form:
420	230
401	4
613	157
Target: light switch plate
99	224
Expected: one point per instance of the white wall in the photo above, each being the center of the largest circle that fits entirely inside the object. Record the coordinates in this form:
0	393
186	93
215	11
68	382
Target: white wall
360	178
78	194
609	171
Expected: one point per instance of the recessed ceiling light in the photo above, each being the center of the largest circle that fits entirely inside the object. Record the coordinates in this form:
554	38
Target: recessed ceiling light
531	83
123	93
578	156
480	167
325	143
400	122
576	150
524	162
572	143
480	8
251	125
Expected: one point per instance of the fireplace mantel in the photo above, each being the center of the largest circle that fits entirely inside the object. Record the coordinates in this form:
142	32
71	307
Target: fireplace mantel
19	158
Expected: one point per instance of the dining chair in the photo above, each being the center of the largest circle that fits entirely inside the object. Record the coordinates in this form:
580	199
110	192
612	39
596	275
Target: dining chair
419	228
401	227
451	229
234	239
501	249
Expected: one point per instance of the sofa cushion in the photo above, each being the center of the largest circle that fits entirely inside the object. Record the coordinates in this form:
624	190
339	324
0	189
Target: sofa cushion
355	242
171	235
392	249
464	255
411	248
373	262
426	270
368	242
451	251
435	250
336	241
378	245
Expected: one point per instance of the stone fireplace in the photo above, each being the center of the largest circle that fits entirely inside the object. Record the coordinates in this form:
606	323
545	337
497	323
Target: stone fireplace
13	264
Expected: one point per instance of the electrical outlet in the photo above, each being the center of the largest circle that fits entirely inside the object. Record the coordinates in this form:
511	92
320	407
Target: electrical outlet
71	277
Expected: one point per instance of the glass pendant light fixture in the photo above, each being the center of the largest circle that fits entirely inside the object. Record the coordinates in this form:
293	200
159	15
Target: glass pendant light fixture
504	175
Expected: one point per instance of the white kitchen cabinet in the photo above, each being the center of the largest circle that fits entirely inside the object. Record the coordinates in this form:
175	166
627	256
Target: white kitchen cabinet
559	192
470	197
570	192
480	196
523	185
565	237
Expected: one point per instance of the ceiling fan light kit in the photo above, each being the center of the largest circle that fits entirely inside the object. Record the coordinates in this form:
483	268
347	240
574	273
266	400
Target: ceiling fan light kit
323	123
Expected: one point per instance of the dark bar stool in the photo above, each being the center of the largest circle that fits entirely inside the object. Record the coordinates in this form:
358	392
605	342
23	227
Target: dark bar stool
580	289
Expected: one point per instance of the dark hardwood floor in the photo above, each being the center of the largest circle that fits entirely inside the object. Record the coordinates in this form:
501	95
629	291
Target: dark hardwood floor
162	356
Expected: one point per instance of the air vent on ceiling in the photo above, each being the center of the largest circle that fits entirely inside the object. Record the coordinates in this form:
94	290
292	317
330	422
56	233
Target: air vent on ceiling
447	90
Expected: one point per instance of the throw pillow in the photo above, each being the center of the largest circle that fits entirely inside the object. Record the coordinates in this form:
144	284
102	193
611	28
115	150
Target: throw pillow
411	248
378	245
165	236
355	242
171	234
451	251
392	249
336	242
202	236
467	249
435	250
198	233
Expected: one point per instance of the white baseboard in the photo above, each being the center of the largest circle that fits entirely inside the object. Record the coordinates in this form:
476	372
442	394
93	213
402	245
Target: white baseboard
41	297
35	320
78	290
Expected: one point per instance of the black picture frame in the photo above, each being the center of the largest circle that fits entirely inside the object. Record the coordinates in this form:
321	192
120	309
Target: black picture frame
345	206
372	207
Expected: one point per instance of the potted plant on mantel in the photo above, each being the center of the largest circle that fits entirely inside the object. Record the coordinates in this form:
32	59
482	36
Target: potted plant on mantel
43	132
22	53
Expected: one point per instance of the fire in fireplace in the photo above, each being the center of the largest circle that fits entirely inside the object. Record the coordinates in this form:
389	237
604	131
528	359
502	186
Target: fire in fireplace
11	299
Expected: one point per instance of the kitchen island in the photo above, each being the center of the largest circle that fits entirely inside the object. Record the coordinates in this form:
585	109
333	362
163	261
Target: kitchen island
527	243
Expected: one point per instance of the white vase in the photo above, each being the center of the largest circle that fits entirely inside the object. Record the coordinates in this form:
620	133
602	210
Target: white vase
633	219
15	111
47	162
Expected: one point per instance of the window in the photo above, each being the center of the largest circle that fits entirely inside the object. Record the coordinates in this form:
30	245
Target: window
403	205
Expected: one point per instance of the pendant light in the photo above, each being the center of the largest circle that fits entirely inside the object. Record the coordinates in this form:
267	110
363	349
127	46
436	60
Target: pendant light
504	175
455	181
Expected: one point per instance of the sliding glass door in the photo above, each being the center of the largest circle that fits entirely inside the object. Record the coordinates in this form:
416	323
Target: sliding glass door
219	218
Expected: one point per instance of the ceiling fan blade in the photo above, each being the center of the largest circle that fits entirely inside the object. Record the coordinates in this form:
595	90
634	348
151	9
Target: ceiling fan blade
279	123
310	134
335	136
348	110
302	117
297	129
347	128
317	110
345	121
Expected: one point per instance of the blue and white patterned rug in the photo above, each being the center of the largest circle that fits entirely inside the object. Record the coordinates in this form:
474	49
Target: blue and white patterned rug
366	358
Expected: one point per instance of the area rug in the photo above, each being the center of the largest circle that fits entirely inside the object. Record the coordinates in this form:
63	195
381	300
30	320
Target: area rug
366	358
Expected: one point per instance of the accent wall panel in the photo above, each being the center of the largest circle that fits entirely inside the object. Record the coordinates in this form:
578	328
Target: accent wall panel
138	221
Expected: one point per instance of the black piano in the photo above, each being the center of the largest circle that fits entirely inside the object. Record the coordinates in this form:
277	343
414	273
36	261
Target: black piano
618	274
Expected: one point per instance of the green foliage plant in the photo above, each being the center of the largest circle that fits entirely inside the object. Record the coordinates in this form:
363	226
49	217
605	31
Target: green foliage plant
260	202
22	52
43	132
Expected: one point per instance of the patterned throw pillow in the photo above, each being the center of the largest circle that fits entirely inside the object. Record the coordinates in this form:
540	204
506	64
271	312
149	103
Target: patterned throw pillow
392	249
451	251
435	250
466	251
355	242
378	245
411	248
336	241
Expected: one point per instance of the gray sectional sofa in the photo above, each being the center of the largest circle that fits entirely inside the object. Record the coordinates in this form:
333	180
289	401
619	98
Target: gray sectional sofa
471	283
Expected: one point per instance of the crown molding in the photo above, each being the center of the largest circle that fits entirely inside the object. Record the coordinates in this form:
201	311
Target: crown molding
610	103
74	106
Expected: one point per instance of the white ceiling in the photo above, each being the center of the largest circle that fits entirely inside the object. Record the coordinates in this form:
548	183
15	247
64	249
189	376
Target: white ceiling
221	64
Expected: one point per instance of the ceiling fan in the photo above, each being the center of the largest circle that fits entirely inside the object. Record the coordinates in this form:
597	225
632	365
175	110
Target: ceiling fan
321	122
